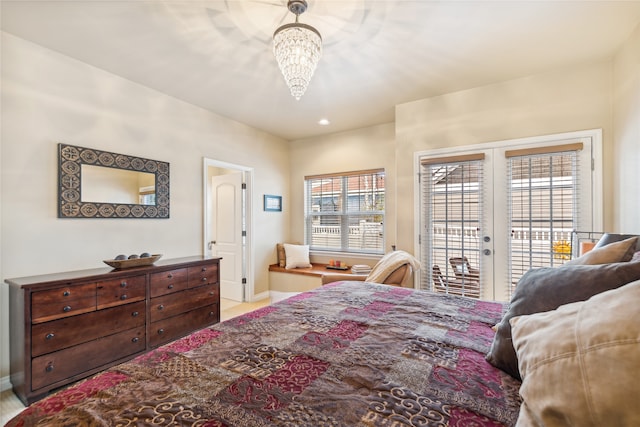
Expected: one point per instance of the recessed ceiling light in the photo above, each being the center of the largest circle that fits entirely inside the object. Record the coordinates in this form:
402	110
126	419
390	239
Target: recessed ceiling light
324	122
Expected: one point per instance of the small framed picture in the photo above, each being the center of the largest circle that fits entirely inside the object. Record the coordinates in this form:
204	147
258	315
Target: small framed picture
272	203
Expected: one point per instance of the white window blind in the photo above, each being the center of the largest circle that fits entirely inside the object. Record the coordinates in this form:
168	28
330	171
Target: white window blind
345	212
452	206
543	196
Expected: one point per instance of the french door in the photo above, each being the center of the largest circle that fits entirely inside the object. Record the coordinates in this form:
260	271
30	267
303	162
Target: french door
489	213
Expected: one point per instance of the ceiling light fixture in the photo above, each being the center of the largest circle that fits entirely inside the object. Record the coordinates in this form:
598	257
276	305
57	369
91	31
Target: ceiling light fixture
297	48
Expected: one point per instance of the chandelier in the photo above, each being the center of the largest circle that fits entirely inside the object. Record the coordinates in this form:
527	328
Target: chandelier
297	48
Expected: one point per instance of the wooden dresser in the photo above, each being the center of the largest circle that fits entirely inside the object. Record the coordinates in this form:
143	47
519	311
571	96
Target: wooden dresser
67	326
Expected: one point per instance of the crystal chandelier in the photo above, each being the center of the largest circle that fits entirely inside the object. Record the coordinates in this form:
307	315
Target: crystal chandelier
297	48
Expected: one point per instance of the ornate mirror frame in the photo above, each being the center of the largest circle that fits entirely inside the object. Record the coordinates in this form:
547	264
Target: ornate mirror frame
70	161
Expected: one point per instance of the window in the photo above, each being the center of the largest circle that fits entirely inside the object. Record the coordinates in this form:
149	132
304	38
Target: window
345	212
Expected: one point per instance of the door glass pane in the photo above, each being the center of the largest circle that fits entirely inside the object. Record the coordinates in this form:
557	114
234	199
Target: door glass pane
542	211
453	208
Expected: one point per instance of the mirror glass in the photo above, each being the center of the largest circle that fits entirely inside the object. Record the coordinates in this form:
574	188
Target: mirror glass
100	184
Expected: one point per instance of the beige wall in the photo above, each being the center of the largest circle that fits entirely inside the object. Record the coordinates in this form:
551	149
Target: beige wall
49	98
567	100
626	130
368	148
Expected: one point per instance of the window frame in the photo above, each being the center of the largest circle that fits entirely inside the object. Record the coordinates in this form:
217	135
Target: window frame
345	215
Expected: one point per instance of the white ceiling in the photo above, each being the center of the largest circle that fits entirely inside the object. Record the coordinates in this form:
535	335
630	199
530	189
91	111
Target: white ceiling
217	54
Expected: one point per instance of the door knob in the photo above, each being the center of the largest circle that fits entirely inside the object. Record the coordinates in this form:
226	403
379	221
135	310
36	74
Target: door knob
487	252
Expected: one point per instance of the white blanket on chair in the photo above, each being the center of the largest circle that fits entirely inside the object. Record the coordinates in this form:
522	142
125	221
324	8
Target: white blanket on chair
390	263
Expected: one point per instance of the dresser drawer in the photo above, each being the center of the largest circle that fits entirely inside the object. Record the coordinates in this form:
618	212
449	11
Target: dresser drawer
58	366
203	275
62	333
62	302
168	282
121	291
174	304
175	327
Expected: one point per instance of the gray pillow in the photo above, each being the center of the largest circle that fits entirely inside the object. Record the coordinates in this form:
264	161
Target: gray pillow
545	289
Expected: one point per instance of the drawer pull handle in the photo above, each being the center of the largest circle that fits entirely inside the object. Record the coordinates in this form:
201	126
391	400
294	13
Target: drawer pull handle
170	286
135	339
211	314
135	314
160	331
170	276
49	367
66	293
49	336
123	297
204	268
123	284
204	279
66	308
161	307
212	293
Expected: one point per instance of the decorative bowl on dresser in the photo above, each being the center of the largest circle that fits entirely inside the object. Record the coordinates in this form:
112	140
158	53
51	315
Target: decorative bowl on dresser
67	326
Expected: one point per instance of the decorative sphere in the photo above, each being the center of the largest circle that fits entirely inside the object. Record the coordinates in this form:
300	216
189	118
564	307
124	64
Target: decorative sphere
121	257
145	255
133	256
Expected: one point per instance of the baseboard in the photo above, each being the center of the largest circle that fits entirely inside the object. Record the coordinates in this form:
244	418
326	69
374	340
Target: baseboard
260	296
279	296
5	383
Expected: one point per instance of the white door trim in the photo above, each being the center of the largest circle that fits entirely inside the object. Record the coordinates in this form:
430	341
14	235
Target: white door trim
249	252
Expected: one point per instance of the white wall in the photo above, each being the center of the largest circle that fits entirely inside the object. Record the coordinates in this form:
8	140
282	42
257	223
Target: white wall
626	129
566	100
49	98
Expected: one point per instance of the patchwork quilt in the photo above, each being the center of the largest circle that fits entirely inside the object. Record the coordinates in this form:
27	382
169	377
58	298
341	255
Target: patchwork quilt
346	354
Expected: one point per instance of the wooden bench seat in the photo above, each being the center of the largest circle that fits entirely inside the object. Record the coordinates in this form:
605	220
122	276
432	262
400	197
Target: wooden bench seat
299	279
314	270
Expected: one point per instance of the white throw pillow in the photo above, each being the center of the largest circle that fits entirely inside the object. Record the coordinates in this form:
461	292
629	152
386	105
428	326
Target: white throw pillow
297	256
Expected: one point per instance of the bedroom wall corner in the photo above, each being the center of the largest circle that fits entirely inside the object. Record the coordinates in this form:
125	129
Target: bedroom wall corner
626	132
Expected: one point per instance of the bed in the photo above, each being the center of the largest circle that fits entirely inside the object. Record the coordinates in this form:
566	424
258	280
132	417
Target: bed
345	354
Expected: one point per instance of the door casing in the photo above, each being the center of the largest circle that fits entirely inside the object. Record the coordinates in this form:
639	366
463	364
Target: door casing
248	253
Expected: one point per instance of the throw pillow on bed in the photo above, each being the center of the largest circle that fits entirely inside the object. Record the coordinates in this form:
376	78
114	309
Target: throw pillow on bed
547	288
297	256
613	252
579	363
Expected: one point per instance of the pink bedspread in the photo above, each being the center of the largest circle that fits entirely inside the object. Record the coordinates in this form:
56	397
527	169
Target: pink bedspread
347	354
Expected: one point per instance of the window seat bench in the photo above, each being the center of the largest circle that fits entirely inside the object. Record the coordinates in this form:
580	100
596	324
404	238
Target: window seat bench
299	279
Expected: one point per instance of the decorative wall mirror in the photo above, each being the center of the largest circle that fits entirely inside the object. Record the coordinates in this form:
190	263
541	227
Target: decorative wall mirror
100	184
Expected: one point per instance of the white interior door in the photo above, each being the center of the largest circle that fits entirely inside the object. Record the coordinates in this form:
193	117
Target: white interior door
226	239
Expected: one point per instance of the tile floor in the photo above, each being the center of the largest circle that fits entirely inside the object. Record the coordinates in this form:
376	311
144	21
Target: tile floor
10	405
